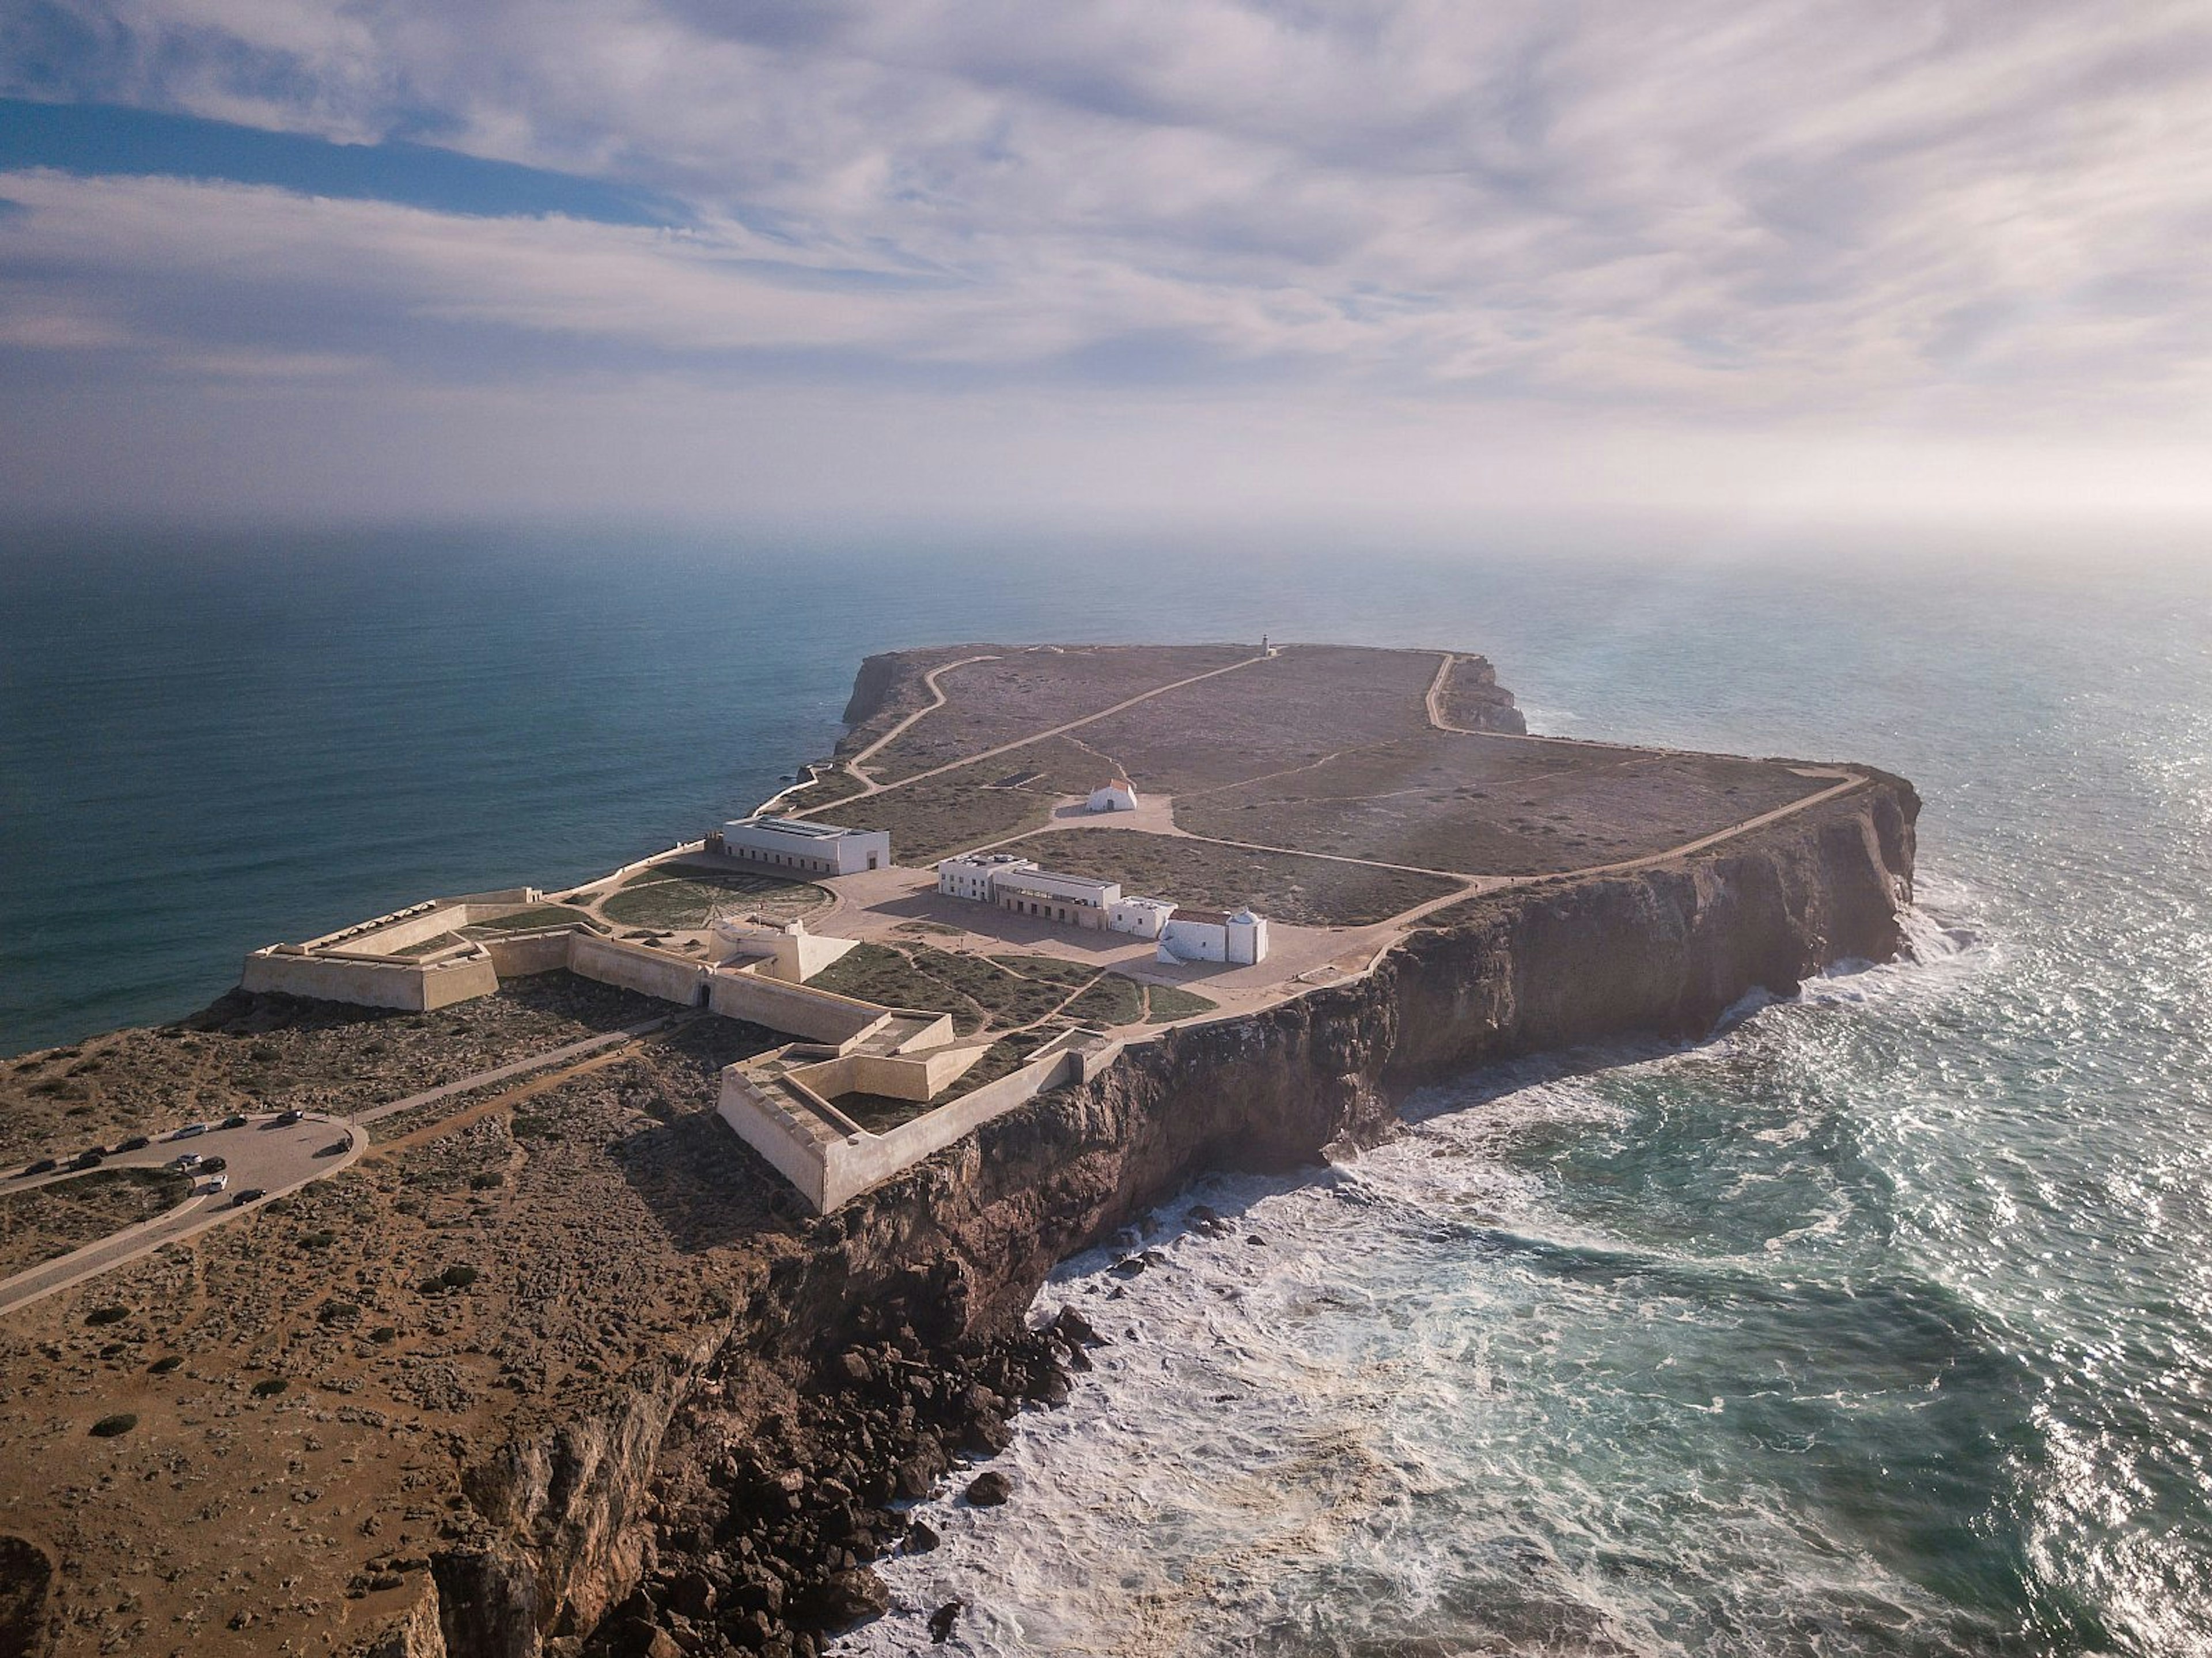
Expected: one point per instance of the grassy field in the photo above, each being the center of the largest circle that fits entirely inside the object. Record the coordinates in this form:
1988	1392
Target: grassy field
52	1220
431	946
1166	1004
979	994
826	790
1322	749
1285	886
686	895
1024	691
1113	1000
1493	805
975	804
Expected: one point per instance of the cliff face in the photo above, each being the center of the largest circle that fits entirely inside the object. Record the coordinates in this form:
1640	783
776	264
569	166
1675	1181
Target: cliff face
567	1525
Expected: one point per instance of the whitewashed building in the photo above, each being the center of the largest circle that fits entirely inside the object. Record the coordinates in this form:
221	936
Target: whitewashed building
1238	939
802	847
1141	918
1116	794
1018	884
1070	899
972	876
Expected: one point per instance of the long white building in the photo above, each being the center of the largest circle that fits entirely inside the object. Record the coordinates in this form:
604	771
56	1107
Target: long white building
1069	899
802	846
1020	884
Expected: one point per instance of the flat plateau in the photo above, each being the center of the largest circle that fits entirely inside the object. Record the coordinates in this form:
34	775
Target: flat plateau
523	1374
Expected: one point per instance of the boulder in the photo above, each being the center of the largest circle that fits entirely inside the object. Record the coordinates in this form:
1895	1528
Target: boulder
988	1489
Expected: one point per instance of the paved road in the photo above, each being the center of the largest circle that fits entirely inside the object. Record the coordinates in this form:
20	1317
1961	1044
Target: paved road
276	1159
261	1154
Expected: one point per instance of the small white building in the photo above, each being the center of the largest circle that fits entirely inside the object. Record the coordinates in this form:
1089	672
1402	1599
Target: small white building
1116	794
1142	918
973	877
802	847
1209	935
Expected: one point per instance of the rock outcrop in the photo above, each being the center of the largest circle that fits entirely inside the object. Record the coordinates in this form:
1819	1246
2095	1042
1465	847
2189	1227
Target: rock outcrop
738	1499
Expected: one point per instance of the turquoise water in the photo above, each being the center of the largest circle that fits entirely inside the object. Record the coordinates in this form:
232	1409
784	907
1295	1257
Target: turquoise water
1876	1325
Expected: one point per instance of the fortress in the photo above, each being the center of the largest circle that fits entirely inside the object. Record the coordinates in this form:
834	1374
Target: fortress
783	1104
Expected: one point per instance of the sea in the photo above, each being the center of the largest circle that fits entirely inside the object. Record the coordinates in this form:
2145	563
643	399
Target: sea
1874	1323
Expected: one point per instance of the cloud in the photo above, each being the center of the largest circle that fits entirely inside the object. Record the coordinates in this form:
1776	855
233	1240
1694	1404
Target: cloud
1844	221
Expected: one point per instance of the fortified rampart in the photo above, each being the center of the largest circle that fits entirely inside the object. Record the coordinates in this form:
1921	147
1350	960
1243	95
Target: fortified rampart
792	1120
564	1515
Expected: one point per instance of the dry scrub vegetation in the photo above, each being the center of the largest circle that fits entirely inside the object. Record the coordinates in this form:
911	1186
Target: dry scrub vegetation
306	1384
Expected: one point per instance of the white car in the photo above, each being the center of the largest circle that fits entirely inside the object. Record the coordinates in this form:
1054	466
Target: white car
186	1160
213	1184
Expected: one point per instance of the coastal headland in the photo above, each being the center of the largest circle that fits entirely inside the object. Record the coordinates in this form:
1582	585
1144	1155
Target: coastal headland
557	1363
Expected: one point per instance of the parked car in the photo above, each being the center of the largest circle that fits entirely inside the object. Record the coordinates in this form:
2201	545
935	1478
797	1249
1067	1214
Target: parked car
189	1130
186	1160
213	1165
215	1185
93	1152
88	1160
235	1119
136	1143
251	1194
43	1166
286	1119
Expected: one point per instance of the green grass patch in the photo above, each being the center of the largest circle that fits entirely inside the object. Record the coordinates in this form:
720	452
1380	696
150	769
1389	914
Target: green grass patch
1170	1004
1113	1000
1048	969
977	992
431	946
684	895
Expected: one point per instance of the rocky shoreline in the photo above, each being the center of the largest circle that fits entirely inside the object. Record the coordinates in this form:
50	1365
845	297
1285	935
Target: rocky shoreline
736	1505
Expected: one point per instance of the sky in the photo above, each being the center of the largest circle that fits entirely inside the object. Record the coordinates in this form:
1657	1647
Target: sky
829	259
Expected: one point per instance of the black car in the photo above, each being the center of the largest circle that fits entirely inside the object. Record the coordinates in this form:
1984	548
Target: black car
43	1166
89	1160
286	1119
93	1152
136	1143
235	1119
251	1194
212	1165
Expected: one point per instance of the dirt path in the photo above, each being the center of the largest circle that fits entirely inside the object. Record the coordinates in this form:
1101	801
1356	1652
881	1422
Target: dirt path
858	763
1039	737
512	1096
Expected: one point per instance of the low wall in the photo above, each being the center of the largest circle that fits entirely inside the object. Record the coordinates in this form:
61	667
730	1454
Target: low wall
525	953
649	972
896	1077
854	1164
821	1016
413	986
392	940
768	1130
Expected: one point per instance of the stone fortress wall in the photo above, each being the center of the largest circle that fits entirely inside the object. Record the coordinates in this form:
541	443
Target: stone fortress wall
781	1104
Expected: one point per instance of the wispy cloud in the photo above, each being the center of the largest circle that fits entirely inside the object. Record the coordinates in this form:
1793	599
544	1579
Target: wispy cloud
1979	220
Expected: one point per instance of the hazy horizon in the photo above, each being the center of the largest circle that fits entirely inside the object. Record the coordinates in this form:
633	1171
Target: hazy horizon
1775	264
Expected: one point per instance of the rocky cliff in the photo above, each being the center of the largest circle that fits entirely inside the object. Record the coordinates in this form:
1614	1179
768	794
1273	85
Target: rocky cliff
737	1498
